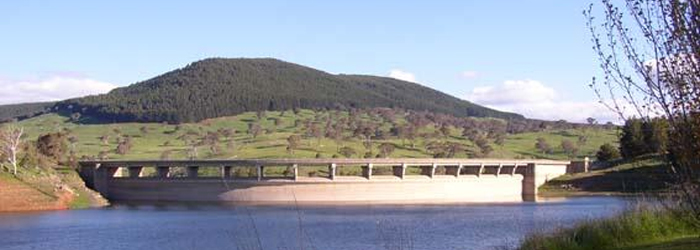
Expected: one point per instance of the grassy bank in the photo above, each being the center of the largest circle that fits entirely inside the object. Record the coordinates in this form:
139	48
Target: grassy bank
45	189
631	230
643	175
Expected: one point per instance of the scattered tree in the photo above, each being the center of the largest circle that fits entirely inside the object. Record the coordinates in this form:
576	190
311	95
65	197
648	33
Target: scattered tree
293	143
607	152
347	151
386	149
52	145
542	146
569	148
10	140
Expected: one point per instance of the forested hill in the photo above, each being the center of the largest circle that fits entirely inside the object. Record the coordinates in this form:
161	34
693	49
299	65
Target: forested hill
222	87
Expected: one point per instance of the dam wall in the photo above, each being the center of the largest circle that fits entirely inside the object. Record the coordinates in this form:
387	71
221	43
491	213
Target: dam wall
438	180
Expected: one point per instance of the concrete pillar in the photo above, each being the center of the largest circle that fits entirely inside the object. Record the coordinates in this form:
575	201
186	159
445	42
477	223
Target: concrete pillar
163	172
498	172
481	170
103	175
295	169
261	172
367	171
331	171
135	171
515	168
87	173
586	161
192	172
226	172
530	182
459	170
403	170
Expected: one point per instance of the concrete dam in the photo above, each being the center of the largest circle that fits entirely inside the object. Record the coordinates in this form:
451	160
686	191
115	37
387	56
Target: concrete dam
376	181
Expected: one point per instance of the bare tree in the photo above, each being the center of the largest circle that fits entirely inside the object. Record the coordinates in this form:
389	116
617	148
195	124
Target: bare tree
649	53
10	139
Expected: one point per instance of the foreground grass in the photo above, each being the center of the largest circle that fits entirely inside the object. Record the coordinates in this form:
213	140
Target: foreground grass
642	229
691	243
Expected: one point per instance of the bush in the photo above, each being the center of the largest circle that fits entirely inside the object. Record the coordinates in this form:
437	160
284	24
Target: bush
607	152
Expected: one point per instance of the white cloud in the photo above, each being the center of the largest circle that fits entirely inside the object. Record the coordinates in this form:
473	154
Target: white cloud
402	75
53	88
535	100
469	74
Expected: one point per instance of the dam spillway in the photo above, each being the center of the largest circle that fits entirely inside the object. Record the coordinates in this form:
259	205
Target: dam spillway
411	180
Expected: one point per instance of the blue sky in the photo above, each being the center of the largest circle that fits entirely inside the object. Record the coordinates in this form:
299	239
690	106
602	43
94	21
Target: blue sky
532	57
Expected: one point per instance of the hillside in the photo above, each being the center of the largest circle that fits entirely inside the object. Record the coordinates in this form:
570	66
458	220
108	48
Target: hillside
321	133
223	87
23	111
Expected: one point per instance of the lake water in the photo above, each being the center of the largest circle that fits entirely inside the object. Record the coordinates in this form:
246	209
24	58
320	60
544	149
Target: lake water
254	227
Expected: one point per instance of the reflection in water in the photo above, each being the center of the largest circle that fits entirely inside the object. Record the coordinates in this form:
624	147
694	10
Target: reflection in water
255	227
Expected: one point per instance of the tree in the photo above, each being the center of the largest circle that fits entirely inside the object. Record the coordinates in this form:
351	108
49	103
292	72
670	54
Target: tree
484	148
436	148
192	152
52	145
591	121
569	148
656	135
293	143
452	148
166	154
227	133
445	130
607	152
104	139
582	140
347	152
386	149
543	146
632	139
75	117
122	148
10	140
254	129
649	53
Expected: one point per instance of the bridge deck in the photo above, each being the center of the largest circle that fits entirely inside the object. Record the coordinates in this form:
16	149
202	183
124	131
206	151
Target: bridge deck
321	162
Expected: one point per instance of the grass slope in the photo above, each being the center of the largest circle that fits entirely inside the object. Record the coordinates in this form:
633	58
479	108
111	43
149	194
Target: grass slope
161	137
645	174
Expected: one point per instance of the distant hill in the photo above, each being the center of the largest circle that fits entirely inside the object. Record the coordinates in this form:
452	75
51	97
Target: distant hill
223	87
23	111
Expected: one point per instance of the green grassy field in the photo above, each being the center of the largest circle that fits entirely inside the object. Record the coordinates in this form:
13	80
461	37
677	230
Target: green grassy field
151	142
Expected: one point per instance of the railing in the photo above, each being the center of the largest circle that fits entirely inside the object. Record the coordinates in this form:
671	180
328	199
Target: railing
428	166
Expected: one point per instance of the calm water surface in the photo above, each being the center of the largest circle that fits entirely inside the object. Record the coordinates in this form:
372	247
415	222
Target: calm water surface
357	227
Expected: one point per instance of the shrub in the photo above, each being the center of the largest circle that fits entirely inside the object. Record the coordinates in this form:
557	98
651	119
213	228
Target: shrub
607	152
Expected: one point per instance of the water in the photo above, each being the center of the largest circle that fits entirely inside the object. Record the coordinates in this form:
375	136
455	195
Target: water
356	227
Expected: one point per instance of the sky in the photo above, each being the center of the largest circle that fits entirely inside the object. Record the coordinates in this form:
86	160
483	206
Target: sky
531	57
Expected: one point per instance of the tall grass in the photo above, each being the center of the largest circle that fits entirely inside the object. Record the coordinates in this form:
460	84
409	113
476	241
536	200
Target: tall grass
633	227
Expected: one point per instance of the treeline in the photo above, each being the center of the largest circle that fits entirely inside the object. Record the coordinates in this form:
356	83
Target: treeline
638	137
23	111
223	87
